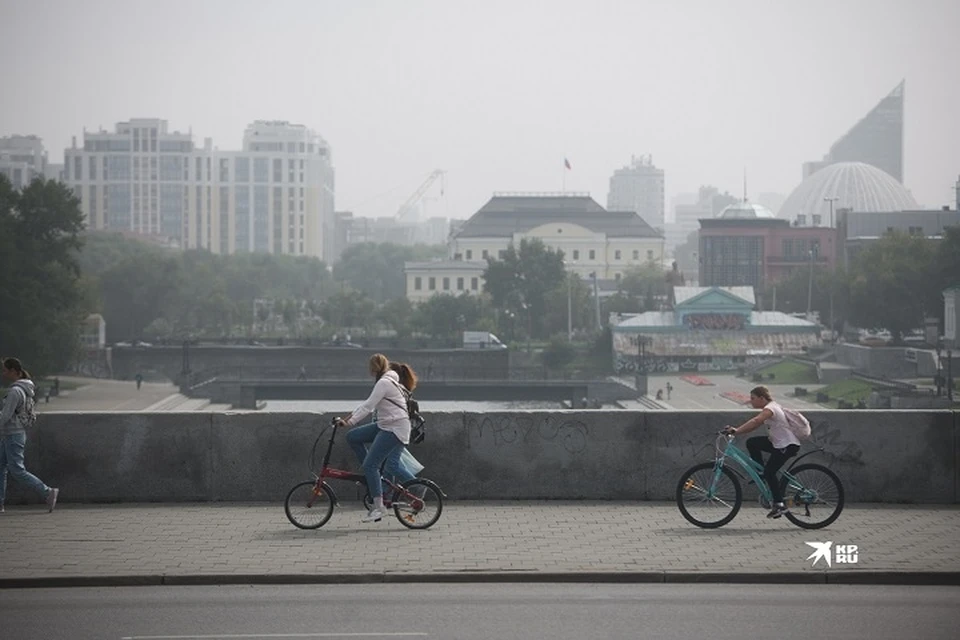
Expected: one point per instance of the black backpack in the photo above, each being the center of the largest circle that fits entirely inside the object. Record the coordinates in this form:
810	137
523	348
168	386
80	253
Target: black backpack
417	423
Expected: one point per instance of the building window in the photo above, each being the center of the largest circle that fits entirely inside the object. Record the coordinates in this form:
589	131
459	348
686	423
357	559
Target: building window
815	219
636	254
815	248
459	284
616	254
432	283
93	168
576	254
593	254
484	254
469	254
501	254
650	255
417	283
474	283
277	170
916	231
446	284
616	277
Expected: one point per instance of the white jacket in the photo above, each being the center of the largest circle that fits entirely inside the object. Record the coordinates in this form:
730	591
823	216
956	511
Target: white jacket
390	406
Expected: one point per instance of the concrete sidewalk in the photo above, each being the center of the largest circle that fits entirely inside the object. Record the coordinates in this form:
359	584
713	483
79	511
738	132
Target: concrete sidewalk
472	542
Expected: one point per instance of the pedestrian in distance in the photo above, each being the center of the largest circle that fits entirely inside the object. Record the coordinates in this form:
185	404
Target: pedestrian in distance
16	417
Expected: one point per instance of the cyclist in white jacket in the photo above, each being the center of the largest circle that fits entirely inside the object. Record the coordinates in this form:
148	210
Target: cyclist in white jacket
386	436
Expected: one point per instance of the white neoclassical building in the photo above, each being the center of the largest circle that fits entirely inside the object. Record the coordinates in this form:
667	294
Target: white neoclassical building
593	240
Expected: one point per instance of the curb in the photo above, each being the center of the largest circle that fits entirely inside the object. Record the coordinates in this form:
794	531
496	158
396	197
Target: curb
931	578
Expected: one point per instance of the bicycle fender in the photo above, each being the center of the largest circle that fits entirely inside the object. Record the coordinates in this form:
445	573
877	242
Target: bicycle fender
433	485
336	500
799	458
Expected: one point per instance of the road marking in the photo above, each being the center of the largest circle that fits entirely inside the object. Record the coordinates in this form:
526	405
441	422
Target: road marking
253	636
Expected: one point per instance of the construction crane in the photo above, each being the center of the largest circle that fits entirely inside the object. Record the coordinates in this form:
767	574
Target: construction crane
407	207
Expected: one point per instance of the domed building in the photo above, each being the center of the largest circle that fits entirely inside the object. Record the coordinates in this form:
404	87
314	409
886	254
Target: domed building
856	186
745	211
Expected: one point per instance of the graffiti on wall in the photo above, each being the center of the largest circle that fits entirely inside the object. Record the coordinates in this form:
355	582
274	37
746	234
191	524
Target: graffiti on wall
715	321
506	430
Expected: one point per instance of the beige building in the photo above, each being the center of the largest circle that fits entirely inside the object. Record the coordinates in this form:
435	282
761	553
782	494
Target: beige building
593	240
273	196
446	277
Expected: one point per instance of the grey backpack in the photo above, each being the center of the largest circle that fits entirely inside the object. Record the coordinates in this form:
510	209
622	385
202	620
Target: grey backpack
26	414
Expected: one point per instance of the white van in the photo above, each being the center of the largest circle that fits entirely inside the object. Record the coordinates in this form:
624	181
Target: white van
481	340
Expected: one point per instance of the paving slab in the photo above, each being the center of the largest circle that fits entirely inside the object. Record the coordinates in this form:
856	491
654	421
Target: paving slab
473	541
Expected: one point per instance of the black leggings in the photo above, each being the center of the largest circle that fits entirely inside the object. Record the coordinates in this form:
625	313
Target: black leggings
756	446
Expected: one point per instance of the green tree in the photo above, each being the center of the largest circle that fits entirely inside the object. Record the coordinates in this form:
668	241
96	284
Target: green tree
446	316
42	300
377	269
893	285
522	280
138	291
558	354
829	294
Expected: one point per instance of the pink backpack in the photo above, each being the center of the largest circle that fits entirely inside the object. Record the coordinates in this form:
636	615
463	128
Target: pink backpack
797	423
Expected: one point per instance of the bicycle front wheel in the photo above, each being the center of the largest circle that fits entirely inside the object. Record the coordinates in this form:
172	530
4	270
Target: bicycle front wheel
708	499
815	500
309	505
418	503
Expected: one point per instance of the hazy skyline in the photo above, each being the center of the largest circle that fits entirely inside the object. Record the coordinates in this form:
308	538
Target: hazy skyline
498	93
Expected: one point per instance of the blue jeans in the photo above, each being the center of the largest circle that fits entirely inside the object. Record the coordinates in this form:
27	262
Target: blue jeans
11	458
384	447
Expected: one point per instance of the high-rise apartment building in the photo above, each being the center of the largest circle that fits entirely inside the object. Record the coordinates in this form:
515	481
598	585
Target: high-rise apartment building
877	139
638	187
273	196
22	158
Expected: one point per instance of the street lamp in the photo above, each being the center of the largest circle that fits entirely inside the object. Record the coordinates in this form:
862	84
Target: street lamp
810	285
569	300
831	200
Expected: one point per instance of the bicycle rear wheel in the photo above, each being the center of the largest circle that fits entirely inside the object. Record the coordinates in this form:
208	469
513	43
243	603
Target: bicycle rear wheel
707	499
309	505
418	504
816	499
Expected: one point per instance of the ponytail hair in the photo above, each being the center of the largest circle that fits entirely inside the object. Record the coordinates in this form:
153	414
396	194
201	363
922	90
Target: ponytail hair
406	374
13	364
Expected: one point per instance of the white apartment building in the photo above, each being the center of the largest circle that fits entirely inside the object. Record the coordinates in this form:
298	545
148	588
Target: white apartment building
273	196
23	158
639	187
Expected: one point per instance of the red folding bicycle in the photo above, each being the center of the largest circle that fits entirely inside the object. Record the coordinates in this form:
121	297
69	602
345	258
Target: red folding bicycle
417	503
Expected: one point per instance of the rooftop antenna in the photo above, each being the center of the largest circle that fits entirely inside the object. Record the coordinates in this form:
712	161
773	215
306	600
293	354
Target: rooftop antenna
744	183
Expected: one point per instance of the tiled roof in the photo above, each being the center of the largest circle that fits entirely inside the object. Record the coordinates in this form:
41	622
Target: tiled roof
504	216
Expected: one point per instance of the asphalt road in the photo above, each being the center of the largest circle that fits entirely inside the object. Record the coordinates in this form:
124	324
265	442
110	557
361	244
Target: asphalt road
474	611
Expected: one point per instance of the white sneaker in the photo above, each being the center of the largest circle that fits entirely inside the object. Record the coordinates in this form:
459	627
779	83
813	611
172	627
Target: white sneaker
52	498
375	515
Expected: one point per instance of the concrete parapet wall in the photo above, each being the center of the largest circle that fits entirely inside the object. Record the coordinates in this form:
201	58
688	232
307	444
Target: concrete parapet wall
881	456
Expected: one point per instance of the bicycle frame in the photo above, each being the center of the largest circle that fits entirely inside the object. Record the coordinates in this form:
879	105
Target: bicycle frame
753	470
326	471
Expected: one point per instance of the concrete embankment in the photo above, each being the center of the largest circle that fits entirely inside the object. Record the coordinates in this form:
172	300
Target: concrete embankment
881	456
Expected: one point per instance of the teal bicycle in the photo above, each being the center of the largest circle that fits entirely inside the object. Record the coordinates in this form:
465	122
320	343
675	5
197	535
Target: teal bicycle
709	494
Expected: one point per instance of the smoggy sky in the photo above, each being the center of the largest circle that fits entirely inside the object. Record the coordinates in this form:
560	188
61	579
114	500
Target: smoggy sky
498	92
